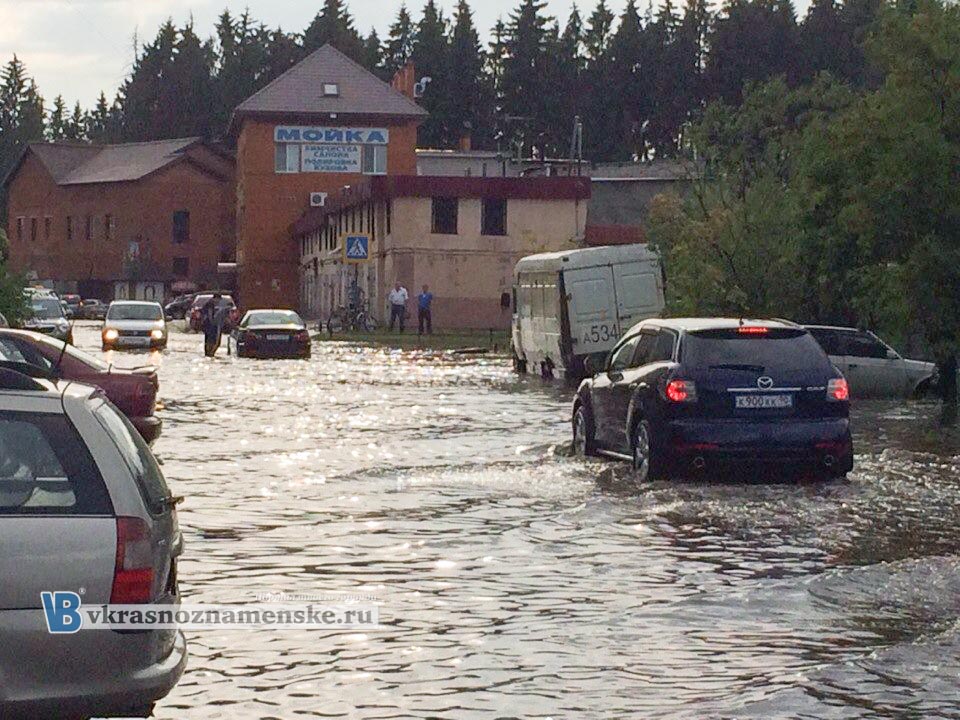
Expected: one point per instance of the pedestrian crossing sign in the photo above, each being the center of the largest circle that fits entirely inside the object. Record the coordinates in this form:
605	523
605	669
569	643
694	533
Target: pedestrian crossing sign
357	248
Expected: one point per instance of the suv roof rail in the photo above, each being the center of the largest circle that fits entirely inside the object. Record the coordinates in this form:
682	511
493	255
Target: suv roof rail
13	380
792	323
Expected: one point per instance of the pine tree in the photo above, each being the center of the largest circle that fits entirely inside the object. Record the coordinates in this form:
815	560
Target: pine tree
280	51
524	72
373	53
399	42
76	125
597	36
468	83
334	25
430	56
187	93
143	118
496	62
57	123
98	121
627	66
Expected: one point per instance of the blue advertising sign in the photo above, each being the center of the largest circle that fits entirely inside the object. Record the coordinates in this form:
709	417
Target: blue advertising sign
333	135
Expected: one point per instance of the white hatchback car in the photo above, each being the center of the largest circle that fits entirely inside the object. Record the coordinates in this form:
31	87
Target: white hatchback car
872	368
134	324
84	509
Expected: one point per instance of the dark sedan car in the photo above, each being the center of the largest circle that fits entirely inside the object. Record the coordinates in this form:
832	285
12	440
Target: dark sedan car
133	391
270	334
177	308
685	395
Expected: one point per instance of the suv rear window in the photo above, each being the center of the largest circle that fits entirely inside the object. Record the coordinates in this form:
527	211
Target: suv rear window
46	469
784	349
141	462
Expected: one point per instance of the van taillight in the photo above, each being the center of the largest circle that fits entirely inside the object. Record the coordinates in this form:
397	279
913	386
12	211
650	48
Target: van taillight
681	391
838	390
133	571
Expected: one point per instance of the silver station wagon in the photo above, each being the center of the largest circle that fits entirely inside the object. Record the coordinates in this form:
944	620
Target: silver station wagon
85	509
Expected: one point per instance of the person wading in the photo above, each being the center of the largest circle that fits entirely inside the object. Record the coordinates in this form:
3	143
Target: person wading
424	318
398	305
212	319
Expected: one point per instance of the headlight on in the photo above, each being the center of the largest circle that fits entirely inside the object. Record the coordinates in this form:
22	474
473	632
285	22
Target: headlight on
110	334
156	334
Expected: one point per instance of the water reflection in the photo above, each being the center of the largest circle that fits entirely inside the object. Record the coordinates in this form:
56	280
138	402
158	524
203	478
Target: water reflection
517	581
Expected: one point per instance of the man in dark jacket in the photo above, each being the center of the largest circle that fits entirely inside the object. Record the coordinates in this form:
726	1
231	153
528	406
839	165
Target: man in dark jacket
212	318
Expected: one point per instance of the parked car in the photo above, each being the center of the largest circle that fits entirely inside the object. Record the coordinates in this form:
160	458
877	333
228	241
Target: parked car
134	324
177	308
199	301
73	304
46	316
133	391
84	508
873	368
686	395
93	309
568	306
270	334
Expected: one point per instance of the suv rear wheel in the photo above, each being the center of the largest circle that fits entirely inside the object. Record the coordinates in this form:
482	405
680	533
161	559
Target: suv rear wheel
644	462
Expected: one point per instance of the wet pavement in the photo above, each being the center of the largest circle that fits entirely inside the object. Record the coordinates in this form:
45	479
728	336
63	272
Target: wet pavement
515	581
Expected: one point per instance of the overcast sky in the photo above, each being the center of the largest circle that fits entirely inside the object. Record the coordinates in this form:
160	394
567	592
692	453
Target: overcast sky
79	47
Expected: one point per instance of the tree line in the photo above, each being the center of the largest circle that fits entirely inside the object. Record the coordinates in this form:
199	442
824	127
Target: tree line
827	203
636	80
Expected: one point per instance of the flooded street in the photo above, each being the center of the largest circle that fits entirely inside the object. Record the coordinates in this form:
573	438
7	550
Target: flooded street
515	581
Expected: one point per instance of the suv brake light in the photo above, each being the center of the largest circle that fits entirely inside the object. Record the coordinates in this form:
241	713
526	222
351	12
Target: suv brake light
838	390
133	572
680	391
752	330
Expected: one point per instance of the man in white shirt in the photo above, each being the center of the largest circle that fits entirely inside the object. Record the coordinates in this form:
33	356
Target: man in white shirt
398	305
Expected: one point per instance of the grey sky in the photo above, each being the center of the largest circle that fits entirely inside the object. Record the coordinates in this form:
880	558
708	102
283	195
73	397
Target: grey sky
79	47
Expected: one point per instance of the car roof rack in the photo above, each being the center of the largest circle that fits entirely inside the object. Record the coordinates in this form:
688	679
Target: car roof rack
14	380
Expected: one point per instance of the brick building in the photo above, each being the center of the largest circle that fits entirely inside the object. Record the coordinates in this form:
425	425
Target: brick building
129	220
324	124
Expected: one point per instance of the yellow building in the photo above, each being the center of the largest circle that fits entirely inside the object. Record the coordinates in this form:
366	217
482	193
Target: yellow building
461	236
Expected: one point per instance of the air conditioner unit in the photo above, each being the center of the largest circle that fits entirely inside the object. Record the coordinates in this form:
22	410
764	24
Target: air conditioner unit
318	199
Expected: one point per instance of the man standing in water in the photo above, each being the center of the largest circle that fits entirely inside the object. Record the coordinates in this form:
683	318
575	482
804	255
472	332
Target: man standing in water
212	318
398	304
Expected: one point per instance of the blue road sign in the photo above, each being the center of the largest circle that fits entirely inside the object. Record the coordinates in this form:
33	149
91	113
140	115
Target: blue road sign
357	248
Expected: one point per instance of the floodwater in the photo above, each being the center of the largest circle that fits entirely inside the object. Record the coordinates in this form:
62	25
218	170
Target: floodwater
514	581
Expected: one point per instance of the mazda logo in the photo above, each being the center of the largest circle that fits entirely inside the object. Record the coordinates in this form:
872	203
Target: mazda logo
765	383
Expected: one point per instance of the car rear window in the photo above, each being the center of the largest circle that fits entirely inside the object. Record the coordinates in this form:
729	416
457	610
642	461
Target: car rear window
46	469
784	349
136	454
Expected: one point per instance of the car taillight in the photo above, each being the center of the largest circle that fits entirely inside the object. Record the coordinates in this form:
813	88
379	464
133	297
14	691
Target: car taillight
133	572
302	336
249	336
838	390
680	391
752	330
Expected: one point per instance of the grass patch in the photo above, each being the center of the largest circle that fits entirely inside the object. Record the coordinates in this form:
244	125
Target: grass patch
497	341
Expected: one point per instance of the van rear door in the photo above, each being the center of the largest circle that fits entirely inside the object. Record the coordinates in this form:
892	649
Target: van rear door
592	309
639	288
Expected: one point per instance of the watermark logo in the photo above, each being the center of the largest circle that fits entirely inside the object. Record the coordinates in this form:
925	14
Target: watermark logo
62	612
65	614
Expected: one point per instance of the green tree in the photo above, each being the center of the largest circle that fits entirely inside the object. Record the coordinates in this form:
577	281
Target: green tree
76	126
431	58
524	69
468	83
12	303
334	25
57	122
373	53
399	42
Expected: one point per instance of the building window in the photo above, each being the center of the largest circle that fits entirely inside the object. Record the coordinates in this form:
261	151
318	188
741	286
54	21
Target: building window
107	227
374	159
89	228
19	229
47	227
181	266
493	217
389	216
286	158
445	212
33	229
69	227
331	90
181	226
